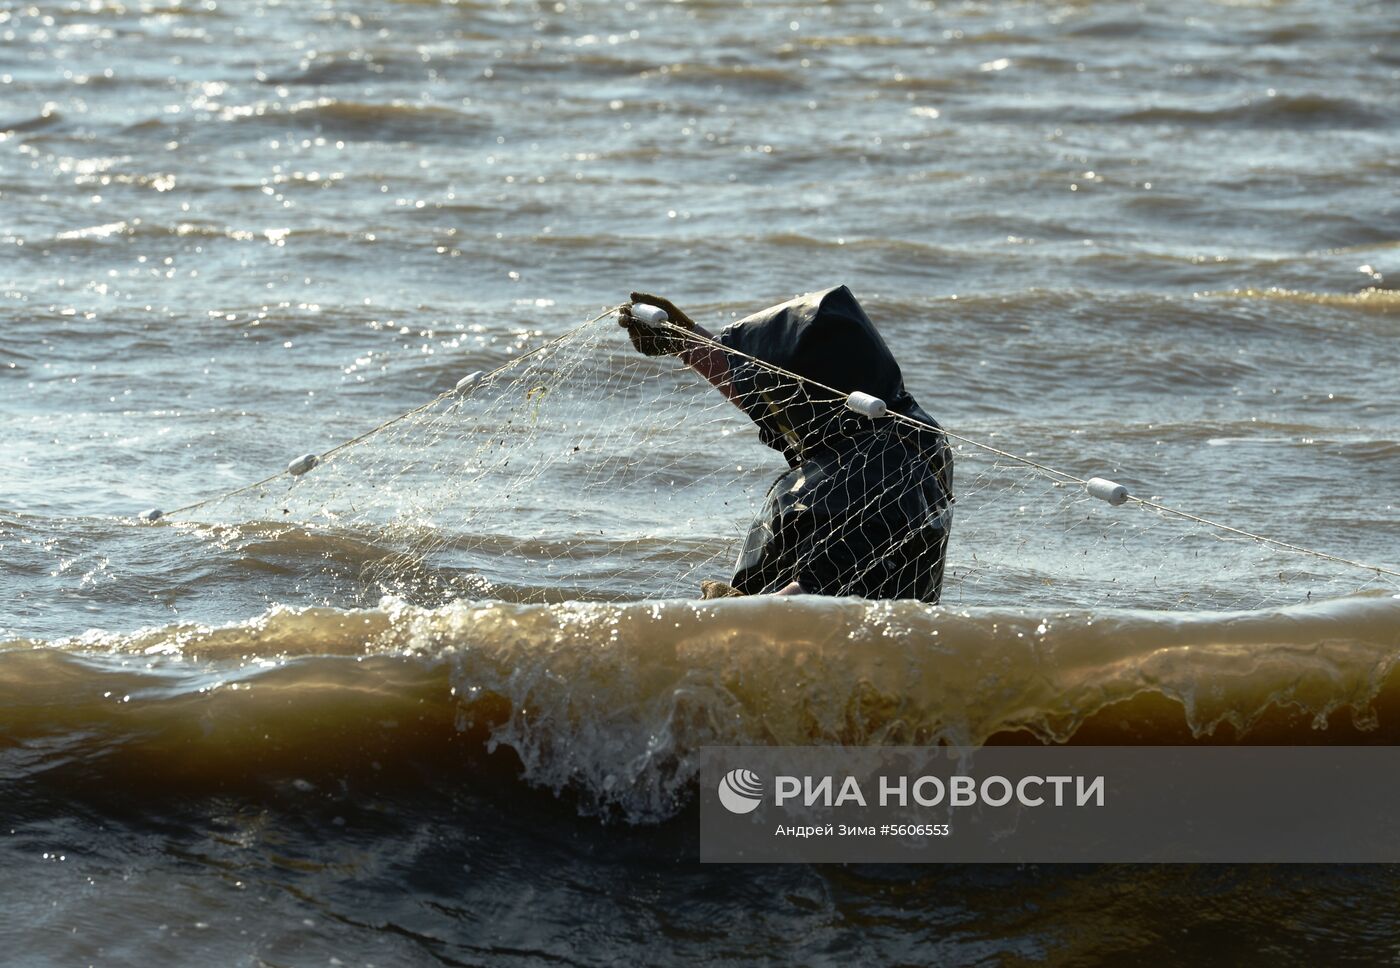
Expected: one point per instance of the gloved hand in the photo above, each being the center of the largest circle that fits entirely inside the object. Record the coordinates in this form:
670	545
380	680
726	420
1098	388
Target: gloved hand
653	340
709	589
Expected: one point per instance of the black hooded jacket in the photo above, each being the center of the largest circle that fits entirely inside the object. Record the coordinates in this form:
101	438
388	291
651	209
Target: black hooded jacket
866	506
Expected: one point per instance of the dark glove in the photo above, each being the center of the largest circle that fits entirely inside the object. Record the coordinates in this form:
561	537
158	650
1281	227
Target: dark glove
709	589
652	340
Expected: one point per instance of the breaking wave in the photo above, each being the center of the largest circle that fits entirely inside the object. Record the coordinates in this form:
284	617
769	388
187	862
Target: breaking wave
608	704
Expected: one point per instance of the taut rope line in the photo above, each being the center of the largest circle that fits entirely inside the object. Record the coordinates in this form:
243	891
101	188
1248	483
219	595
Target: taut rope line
346	445
1063	476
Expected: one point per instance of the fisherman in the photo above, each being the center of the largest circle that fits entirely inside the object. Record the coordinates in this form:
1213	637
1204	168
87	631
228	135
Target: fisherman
866	504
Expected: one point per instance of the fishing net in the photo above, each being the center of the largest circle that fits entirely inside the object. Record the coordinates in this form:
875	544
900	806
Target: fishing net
585	471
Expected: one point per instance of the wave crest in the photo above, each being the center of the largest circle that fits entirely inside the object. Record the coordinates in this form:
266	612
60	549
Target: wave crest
611	702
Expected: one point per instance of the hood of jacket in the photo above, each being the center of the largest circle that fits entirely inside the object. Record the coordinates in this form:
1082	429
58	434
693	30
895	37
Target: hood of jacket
823	337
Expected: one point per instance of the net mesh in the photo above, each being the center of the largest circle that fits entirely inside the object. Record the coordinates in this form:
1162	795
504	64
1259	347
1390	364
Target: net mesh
585	471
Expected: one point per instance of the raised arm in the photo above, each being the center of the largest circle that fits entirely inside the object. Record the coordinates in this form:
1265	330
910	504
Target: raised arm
709	361
698	354
698	350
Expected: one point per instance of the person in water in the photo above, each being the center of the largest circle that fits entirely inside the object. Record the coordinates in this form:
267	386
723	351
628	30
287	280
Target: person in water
866	505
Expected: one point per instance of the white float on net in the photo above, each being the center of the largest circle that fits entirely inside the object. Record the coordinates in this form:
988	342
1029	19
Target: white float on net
1106	490
469	381
302	464
867	405
648	313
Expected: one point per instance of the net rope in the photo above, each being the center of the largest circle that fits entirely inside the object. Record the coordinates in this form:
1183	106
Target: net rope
583	470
